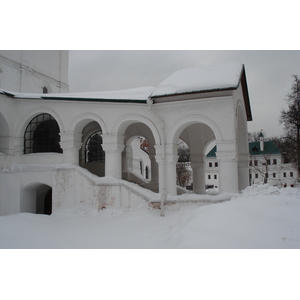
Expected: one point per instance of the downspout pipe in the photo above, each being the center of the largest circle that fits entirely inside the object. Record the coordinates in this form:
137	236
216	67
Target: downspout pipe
163	180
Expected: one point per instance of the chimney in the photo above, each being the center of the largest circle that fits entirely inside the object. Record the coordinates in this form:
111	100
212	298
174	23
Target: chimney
261	141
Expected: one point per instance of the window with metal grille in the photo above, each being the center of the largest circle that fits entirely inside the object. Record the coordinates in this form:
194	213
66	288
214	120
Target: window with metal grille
42	135
93	148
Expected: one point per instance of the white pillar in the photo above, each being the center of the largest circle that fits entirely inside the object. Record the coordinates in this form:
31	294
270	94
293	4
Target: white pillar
171	158
243	171
228	167
171	186
113	145
153	172
70	142
198	166
5	147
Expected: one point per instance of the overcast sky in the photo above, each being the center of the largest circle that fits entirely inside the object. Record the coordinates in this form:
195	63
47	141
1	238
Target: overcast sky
269	75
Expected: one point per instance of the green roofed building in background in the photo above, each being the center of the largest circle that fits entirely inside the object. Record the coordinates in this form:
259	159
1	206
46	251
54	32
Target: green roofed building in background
266	165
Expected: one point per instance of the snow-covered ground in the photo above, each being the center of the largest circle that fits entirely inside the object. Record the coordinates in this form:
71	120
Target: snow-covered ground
262	217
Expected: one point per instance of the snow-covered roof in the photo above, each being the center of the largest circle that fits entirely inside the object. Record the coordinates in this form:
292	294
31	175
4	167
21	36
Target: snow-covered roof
129	95
193	80
220	77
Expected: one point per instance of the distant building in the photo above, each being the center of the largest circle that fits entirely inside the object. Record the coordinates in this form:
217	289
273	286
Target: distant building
266	165
212	169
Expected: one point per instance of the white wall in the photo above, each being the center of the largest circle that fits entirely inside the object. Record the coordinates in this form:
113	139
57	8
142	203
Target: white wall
29	71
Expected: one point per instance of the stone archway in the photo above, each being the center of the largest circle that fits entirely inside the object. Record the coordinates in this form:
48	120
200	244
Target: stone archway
37	199
42	135
118	150
197	136
92	154
139	165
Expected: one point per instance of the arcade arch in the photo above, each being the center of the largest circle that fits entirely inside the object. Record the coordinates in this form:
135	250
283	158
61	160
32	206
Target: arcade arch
42	134
138	162
36	198
91	154
197	134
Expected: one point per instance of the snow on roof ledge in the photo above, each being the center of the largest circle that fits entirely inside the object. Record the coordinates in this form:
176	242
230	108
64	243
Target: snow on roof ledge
198	79
141	93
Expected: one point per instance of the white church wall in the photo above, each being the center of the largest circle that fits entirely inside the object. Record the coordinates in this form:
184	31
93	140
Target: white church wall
31	71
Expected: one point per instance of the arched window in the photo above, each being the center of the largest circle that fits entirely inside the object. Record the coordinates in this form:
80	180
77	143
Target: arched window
93	148
45	90
42	135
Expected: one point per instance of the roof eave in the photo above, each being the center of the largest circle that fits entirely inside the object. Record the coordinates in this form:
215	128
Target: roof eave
246	94
194	92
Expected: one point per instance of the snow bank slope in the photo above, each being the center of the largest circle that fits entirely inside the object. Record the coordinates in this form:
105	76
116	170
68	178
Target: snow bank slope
262	217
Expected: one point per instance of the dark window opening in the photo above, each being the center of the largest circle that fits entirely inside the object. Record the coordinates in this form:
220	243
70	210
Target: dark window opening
42	135
147	173
93	150
210	164
216	164
48	203
45	90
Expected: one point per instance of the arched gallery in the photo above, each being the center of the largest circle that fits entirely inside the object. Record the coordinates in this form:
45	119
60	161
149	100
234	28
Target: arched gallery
60	150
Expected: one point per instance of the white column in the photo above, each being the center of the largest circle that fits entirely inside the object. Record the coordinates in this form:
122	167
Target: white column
243	171
113	145
17	146
70	142
198	166
171	186
5	147
153	172
228	167
171	158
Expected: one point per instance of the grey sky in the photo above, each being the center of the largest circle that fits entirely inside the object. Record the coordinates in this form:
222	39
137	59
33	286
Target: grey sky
268	75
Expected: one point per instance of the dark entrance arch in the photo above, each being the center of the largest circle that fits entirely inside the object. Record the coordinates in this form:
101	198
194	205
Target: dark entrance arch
48	203
37	199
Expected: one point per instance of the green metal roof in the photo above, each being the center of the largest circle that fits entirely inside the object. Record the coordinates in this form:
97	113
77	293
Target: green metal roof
212	152
254	149
269	148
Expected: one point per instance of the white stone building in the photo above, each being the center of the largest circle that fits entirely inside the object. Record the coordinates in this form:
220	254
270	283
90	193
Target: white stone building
266	165
56	148
34	71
